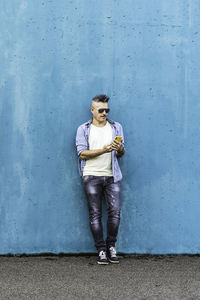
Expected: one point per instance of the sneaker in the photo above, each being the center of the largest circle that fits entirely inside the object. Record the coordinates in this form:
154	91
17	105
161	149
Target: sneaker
102	260
111	252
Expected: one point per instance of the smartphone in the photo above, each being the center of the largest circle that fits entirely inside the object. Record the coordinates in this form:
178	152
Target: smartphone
118	138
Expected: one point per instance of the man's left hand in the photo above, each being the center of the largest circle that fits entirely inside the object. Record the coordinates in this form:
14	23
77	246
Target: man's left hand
118	146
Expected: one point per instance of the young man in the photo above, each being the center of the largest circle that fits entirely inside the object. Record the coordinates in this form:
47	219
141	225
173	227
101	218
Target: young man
98	154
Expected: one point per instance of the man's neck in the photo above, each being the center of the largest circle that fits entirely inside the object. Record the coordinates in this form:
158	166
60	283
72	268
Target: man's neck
99	124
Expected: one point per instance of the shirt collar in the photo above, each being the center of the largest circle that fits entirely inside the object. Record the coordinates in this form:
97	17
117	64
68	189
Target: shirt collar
109	120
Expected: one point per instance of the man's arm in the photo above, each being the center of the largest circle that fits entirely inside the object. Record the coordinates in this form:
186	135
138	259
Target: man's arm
87	154
121	148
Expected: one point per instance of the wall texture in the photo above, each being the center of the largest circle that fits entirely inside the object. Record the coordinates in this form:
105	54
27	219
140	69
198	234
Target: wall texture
54	57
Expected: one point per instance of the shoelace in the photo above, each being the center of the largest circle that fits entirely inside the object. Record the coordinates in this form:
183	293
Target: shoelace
102	254
112	252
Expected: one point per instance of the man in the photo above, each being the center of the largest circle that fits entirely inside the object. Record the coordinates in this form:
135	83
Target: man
98	166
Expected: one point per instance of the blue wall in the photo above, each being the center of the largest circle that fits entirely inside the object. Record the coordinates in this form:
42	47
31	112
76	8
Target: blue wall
55	56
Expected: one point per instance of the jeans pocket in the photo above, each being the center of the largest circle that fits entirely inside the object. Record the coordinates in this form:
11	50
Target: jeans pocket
86	178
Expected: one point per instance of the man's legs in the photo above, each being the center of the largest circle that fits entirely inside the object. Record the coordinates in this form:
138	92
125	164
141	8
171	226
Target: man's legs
94	192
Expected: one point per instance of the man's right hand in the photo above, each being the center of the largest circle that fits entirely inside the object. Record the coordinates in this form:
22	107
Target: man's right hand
108	148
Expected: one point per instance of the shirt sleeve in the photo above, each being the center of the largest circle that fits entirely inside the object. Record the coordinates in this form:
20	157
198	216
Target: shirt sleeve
81	142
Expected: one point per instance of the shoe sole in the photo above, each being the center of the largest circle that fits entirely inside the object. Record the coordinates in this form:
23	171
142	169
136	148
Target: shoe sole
113	262
102	263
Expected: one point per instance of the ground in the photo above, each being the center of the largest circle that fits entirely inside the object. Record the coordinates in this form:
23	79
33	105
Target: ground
171	277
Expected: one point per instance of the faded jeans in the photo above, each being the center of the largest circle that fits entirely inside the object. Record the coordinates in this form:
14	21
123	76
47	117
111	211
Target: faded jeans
95	188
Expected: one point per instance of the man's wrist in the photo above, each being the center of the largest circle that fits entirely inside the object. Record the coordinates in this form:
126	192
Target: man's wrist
120	151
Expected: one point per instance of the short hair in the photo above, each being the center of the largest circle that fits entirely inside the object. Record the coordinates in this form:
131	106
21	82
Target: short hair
101	98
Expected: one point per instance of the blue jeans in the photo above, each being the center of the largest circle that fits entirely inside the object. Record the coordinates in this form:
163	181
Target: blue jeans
95	187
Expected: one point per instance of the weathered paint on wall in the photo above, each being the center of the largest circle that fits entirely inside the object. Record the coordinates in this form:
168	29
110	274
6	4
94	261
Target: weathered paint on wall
55	56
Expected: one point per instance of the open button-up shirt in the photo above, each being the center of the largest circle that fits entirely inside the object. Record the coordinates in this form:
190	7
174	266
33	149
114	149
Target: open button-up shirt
82	143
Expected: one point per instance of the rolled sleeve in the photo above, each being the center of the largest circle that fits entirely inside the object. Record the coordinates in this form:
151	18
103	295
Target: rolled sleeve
81	141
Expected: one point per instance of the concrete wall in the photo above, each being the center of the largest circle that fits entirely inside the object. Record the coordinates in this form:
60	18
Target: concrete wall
54	57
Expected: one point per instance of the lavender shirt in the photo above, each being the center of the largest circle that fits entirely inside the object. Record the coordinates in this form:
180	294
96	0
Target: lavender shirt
82	143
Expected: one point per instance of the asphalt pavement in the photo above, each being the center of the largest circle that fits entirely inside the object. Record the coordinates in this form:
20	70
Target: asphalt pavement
171	277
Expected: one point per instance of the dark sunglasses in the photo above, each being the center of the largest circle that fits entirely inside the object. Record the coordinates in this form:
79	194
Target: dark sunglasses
101	110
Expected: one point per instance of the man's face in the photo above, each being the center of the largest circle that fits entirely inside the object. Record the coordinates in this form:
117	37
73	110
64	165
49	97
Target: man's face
100	117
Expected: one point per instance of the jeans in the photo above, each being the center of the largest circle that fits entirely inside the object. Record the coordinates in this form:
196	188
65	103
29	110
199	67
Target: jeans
95	187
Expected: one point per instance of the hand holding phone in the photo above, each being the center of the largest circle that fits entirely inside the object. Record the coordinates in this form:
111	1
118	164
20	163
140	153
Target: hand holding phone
115	145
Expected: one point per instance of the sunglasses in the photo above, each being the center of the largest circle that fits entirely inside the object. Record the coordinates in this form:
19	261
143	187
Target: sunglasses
101	110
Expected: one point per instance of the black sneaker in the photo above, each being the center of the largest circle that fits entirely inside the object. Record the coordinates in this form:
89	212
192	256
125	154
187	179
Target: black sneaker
102	260
111	253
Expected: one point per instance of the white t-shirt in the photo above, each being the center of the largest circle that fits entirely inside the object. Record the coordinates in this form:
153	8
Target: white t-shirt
100	165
